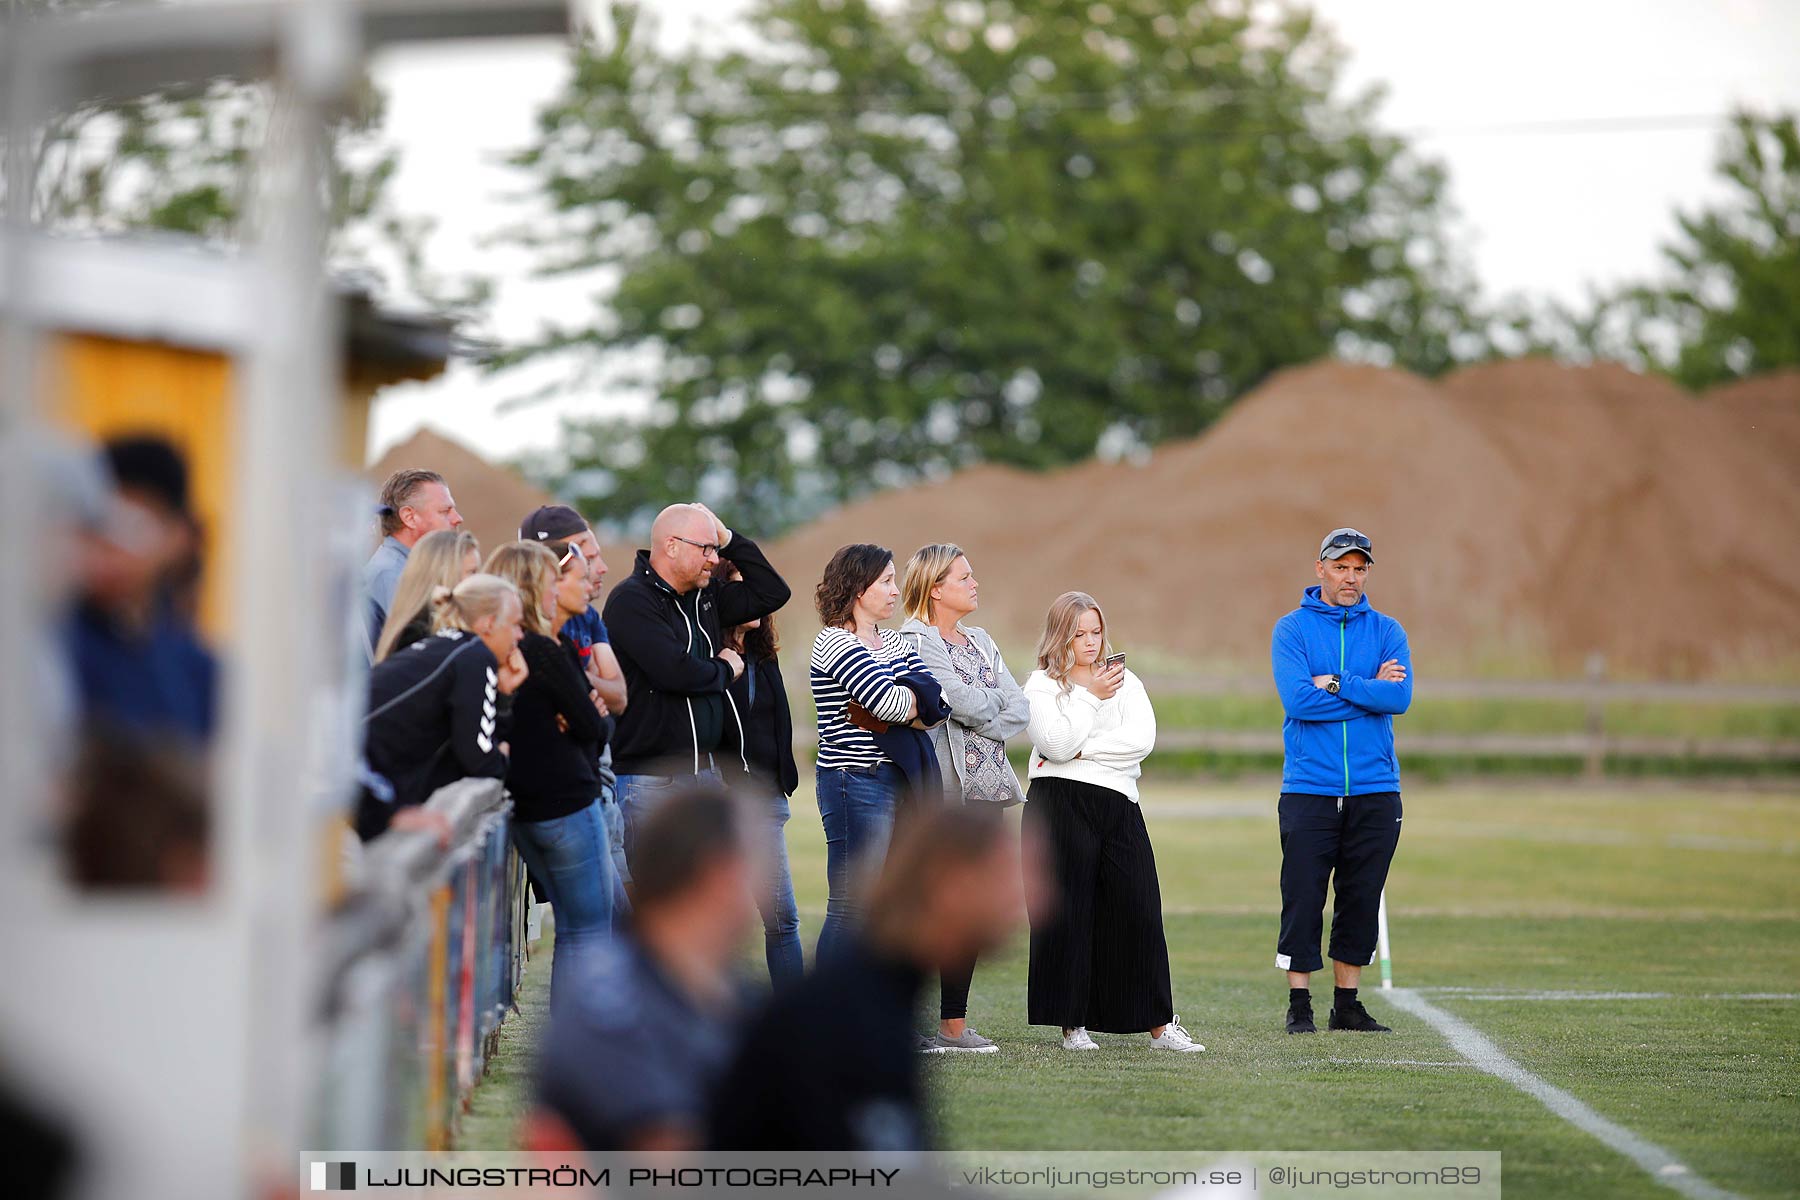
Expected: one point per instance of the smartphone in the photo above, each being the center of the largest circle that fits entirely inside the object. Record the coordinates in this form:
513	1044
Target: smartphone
1113	660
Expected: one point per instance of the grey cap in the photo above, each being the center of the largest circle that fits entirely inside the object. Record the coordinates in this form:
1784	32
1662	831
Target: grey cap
1346	540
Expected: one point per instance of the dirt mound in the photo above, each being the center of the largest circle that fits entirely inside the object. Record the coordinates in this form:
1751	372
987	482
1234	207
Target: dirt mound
1525	514
492	499
1766	409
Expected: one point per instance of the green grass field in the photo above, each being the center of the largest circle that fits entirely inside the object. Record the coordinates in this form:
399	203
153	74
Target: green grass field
1514	893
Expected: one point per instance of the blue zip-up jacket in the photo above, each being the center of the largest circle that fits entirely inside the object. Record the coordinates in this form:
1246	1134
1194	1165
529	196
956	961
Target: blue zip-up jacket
1340	745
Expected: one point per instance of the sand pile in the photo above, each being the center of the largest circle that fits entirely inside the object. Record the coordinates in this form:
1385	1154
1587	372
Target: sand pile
1765	409
492	499
1525	514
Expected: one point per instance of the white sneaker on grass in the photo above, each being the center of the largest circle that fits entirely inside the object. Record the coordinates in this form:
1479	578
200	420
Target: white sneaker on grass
1174	1037
969	1043
1078	1039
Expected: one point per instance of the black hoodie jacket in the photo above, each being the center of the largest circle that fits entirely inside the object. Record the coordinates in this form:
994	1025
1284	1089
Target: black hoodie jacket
651	628
436	715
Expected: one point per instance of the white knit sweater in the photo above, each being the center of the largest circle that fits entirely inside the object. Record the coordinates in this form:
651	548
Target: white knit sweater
1076	735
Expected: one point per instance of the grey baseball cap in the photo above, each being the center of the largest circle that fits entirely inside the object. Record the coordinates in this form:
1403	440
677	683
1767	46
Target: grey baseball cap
1340	542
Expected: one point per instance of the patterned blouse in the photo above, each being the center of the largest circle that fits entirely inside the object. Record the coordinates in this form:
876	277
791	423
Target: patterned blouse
986	774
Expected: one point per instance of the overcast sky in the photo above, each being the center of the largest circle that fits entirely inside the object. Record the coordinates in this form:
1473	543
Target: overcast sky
1543	212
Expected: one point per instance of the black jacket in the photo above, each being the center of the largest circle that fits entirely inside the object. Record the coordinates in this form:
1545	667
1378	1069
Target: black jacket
552	773
854	1083
766	744
436	715
650	627
911	749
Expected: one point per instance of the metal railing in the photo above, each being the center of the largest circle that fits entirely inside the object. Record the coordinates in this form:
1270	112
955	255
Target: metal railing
422	963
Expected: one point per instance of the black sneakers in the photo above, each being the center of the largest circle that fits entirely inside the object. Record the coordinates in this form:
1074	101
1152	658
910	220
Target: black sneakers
1348	1014
1300	1018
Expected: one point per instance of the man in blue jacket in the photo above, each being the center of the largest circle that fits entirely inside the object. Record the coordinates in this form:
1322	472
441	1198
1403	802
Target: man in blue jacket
1343	672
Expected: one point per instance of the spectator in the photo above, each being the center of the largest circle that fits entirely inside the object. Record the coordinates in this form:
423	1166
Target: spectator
665	622
986	707
855	663
558	523
629	1063
438	710
1344	672
769	774
441	559
413	504
139	666
951	889
1100	962
138	818
558	728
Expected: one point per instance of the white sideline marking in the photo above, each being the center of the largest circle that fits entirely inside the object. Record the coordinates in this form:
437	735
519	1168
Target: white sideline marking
1467	993
1480	1050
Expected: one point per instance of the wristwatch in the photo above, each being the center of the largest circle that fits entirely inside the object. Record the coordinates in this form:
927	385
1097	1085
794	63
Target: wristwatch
1333	684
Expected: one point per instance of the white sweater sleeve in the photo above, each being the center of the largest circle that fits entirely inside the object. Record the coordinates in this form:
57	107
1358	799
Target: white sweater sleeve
1135	736
1060	724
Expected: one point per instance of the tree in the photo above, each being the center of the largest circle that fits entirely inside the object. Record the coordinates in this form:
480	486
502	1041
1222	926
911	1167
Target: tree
1731	307
892	240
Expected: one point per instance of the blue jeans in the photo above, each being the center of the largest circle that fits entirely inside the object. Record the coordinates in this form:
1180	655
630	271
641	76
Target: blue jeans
639	796
614	820
857	810
775	900
569	854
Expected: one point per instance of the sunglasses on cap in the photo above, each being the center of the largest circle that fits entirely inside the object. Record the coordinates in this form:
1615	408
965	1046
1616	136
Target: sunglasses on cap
1346	540
568	552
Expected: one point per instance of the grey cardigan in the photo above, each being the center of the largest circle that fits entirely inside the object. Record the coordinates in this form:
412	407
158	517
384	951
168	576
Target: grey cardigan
1000	713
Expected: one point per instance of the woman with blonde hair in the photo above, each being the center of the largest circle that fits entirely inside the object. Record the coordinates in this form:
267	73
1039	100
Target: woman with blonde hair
441	559
1099	960
439	709
986	708
559	727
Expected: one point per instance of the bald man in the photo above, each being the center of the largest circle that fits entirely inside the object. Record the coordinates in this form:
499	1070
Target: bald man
664	621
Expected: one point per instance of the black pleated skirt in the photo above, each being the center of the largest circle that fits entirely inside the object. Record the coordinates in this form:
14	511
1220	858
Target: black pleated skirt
1100	959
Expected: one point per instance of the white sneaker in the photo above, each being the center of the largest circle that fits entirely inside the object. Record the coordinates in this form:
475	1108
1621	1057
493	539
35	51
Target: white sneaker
1174	1037
1079	1040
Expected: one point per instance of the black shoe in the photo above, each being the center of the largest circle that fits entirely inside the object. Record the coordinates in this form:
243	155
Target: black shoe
1300	1018
1353	1016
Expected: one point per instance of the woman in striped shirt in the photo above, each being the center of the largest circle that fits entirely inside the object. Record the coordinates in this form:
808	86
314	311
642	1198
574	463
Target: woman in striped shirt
854	663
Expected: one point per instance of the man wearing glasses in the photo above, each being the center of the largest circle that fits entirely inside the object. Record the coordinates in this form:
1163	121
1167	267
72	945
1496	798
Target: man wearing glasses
1343	672
664	621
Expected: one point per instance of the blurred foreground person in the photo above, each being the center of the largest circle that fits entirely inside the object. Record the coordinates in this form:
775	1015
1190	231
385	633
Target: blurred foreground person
1344	672
630	1061
439	709
137	818
832	1065
139	666
413	504
441	560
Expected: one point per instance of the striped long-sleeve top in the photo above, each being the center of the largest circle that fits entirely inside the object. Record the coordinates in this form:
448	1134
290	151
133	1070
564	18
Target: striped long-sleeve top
843	669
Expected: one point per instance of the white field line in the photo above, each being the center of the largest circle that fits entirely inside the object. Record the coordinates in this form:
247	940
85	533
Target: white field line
1479	1049
1465	993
